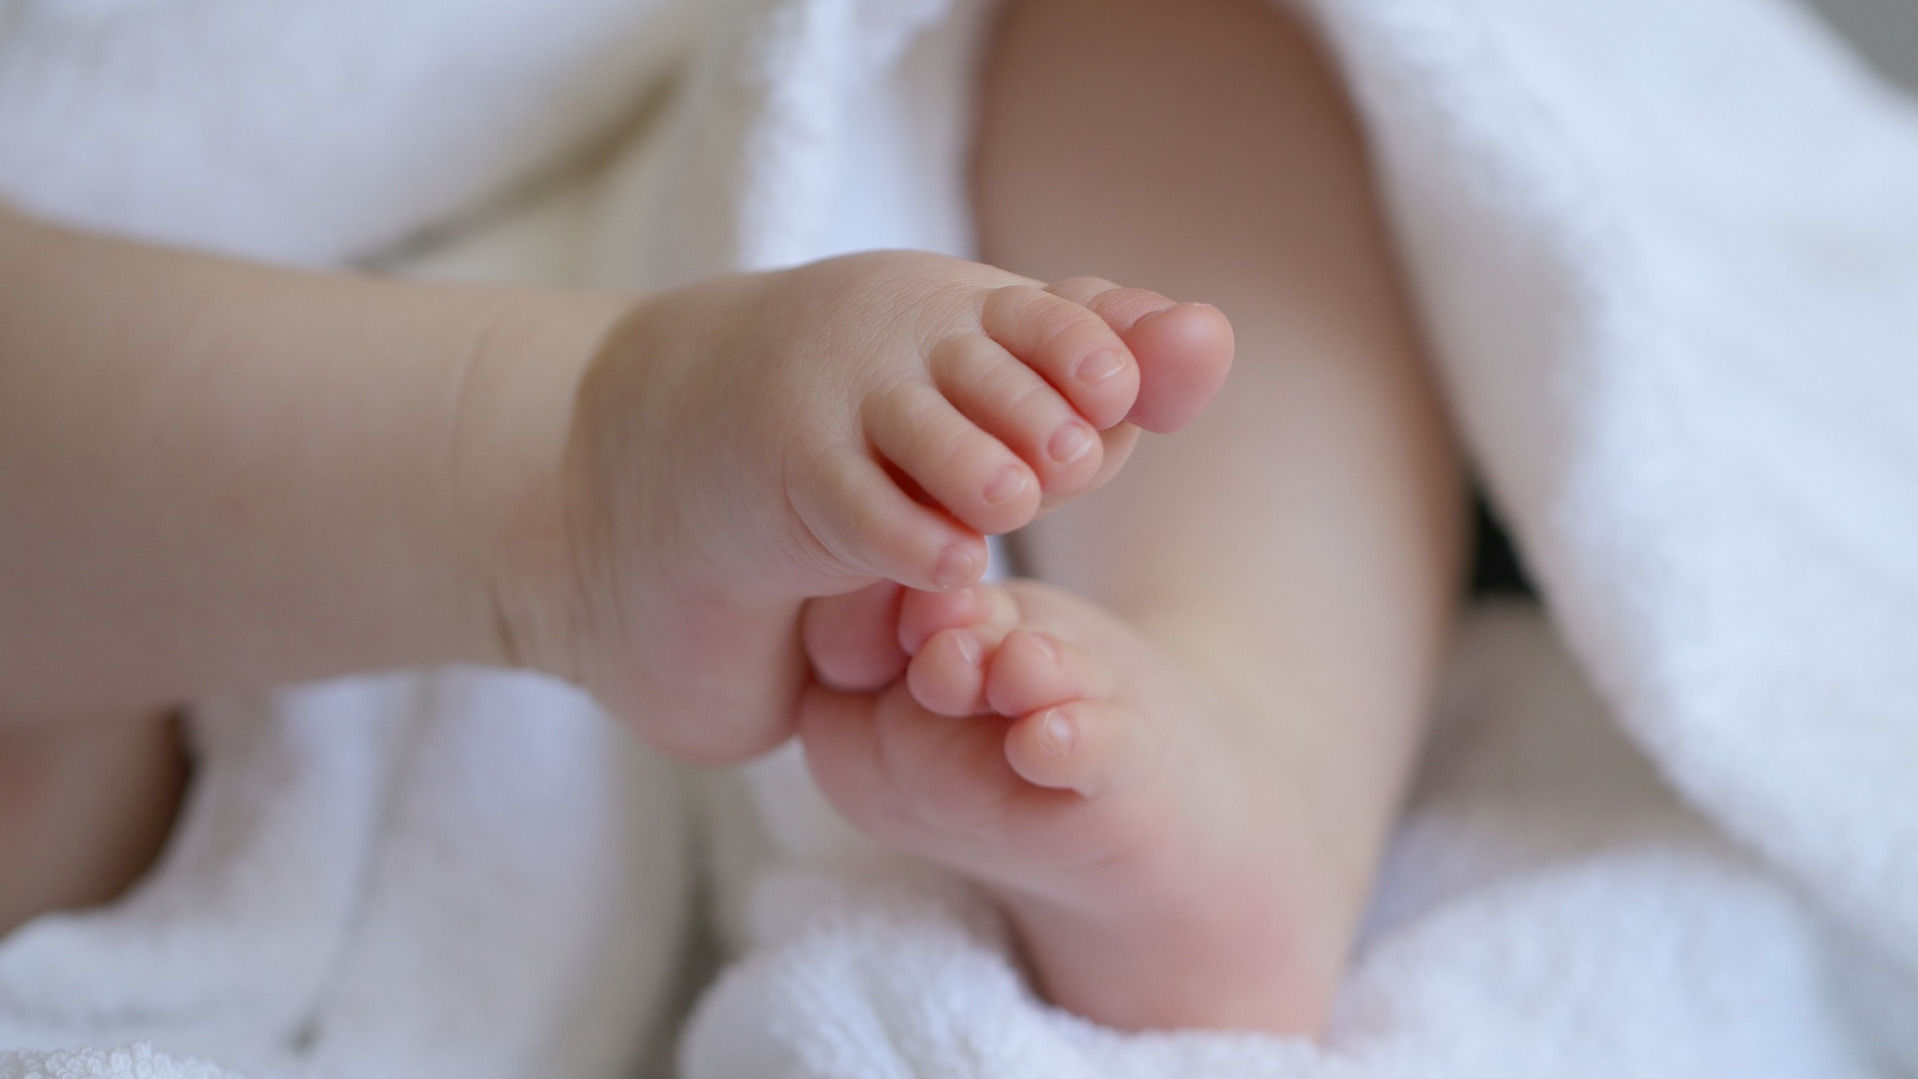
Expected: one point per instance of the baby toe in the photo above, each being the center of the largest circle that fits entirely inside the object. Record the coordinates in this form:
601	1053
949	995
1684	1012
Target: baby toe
966	471
1185	353
1015	404
1076	745
1184	350
837	734
947	676
852	640
865	526
1118	306
1070	346
982	606
951	637
1032	669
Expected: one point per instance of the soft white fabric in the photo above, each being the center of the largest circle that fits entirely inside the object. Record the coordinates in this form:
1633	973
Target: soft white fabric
309	132
1668	256
462	874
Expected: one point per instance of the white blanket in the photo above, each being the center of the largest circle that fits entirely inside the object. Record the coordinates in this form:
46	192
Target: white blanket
1668	258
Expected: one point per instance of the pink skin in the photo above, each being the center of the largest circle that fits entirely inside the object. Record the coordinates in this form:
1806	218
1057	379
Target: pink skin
742	445
634	493
1090	779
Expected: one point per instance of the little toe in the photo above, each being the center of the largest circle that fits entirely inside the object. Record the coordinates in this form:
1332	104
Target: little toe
968	472
1184	350
1014	403
852	640
1076	745
1071	346
865	526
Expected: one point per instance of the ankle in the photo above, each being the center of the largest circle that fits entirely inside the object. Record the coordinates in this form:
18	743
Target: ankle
516	410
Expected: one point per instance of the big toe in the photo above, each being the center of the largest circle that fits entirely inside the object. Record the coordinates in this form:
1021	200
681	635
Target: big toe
1184	350
852	640
1184	354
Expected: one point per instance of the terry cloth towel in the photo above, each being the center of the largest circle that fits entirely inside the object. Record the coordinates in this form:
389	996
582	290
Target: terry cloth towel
459	874
1668	258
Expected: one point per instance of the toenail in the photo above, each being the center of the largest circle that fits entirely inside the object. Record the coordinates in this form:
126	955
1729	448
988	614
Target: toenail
1057	733
1048	649
957	568
1006	483
970	650
1069	443
1100	366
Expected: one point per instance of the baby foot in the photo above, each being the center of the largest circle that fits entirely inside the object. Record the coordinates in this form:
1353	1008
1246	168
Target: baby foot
1138	825
742	445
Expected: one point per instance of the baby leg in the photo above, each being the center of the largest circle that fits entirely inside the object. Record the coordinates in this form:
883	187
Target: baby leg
1289	560
1313	573
634	493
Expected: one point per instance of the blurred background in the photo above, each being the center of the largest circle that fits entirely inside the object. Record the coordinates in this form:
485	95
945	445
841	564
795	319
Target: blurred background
1886	31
